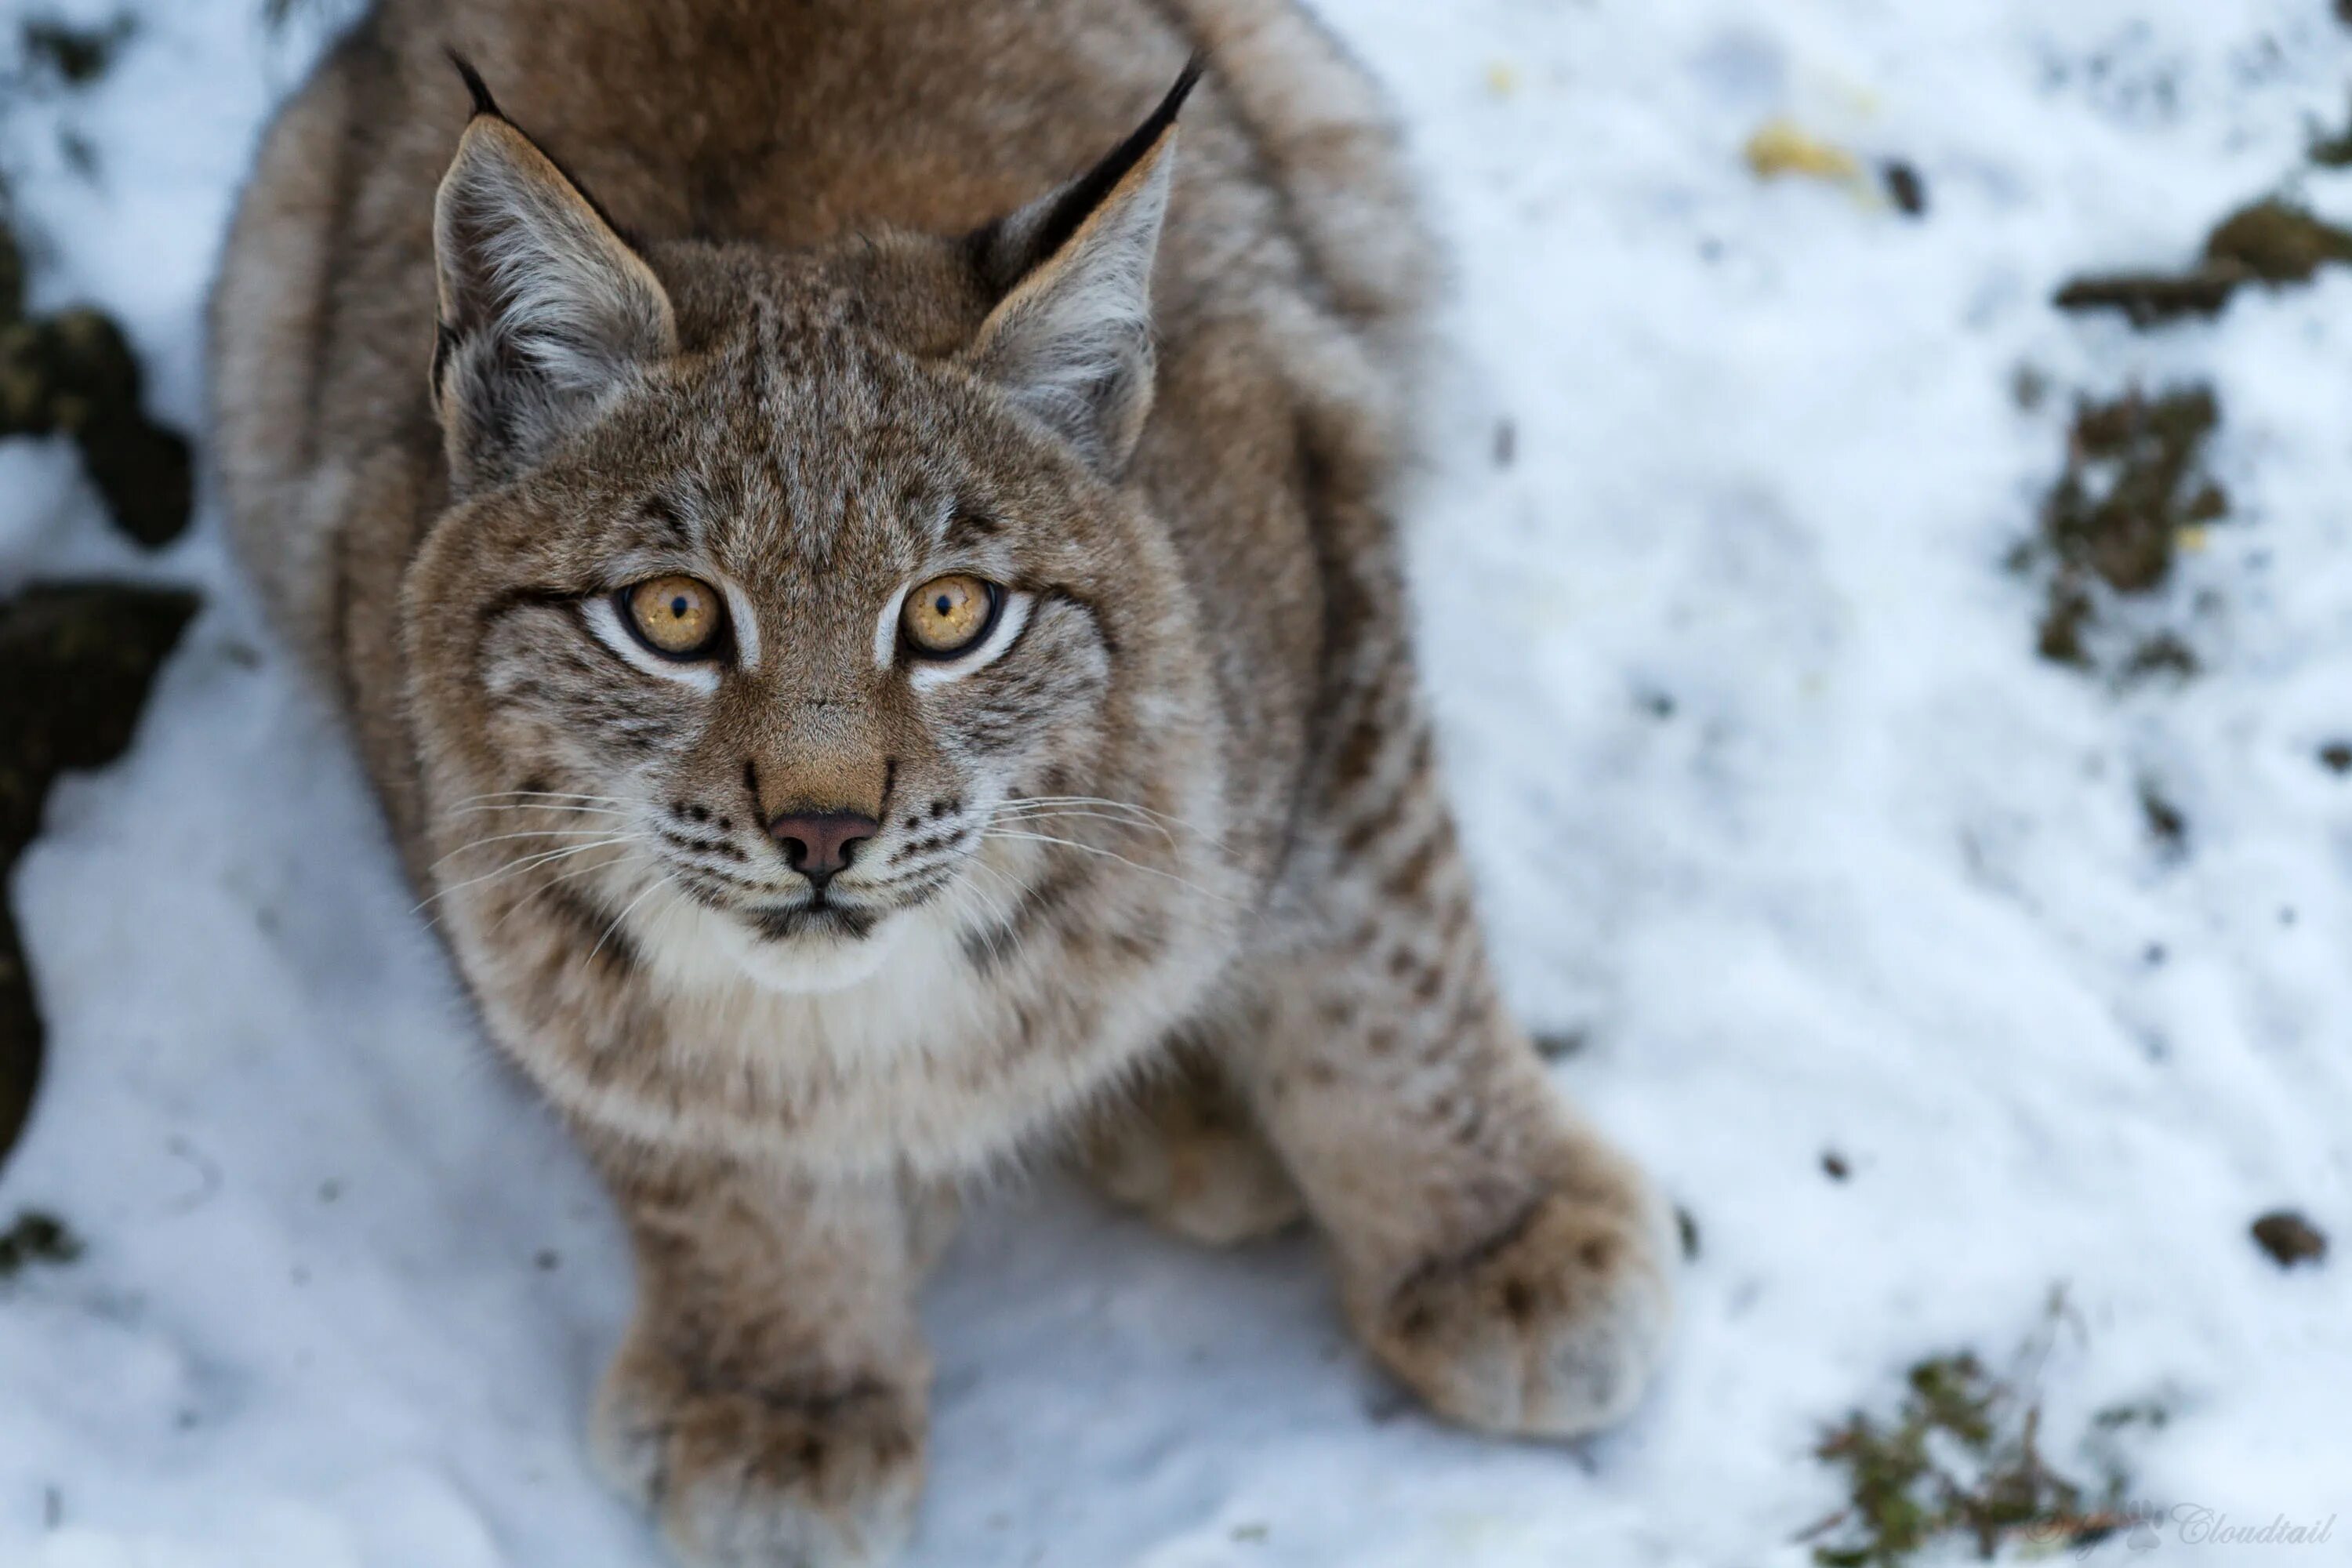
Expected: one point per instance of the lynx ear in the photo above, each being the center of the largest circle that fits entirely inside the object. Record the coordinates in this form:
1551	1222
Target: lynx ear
1071	339
545	309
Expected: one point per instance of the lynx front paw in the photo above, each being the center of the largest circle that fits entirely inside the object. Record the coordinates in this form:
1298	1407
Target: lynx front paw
1550	1328
746	1477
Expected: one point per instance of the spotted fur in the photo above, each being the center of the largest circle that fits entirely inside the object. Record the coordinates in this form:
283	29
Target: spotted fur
803	301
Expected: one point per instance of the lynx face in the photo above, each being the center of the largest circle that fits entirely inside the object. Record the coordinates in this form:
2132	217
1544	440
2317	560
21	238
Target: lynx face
760	613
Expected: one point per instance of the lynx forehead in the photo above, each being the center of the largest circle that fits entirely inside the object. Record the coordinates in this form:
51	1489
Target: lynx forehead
868	588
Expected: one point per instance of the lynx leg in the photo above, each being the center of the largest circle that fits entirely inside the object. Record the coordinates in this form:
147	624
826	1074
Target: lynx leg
1493	1251
769	1401
1187	1153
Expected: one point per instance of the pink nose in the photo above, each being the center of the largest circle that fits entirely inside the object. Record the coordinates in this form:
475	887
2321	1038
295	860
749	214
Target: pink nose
819	843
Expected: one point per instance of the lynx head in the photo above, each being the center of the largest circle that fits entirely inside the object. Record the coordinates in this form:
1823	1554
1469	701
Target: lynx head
771	581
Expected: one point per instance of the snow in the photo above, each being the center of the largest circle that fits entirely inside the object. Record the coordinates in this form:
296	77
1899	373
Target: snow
1876	881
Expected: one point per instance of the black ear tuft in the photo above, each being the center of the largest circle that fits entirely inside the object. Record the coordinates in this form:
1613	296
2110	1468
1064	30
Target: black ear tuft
545	306
1078	199
483	102
1070	338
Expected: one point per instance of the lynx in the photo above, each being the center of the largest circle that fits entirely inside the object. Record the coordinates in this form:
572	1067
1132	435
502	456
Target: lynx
861	556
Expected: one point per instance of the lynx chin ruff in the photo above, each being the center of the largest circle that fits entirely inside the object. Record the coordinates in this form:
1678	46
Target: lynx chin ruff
866	579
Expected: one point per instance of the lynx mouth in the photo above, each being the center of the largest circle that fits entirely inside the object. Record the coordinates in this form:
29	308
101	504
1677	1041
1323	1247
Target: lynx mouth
818	915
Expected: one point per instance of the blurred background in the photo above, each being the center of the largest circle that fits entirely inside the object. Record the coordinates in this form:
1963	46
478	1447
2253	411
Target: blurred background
1884	567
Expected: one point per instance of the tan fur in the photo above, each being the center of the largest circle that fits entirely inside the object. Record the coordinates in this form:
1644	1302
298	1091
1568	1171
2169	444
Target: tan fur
1191	800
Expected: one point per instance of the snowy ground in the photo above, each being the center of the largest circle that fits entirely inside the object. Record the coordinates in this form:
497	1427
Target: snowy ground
1776	807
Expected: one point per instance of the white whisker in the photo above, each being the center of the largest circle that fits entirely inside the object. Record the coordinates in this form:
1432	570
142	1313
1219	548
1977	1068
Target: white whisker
532	833
661	880
1049	813
1110	855
525	864
538	805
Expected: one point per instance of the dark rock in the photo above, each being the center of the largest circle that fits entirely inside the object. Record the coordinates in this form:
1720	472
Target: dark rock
2270	242
12	277
1559	1045
2068	615
75	662
73	375
36	1238
2149	298
2134	484
2331	150
1905	187
74	55
2290	1238
2276	242
2166	824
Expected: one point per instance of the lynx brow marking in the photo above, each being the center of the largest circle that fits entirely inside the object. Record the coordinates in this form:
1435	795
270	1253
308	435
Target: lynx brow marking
885	630
742	624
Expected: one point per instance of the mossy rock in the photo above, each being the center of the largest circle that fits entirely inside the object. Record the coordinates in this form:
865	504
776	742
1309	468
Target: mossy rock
76	664
2276	242
2134	489
2272	242
12	276
73	373
2147	451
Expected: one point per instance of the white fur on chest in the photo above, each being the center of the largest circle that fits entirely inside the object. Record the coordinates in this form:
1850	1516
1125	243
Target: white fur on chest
862	1008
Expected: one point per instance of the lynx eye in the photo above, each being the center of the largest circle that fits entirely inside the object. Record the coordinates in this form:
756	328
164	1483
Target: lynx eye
676	617
948	616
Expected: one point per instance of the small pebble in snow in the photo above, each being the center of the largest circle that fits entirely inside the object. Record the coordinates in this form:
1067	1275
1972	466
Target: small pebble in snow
36	1238
547	1260
2336	756
2290	1238
1833	1165
1905	188
1506	443
2166	823
2155	955
1686	1224
1557	1045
